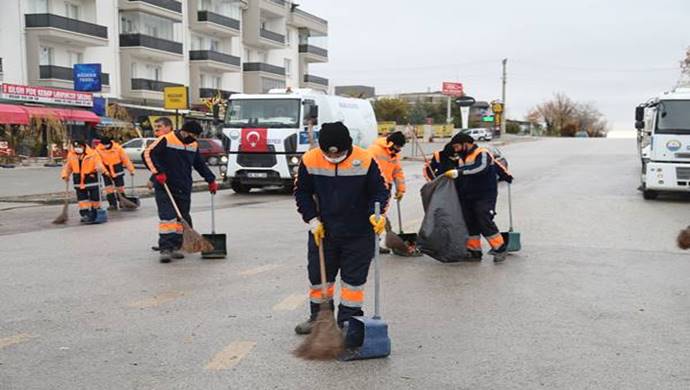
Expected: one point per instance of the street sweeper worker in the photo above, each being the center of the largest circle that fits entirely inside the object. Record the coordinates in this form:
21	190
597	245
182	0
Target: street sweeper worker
476	181
84	164
336	188
386	151
170	160
115	160
441	162
161	127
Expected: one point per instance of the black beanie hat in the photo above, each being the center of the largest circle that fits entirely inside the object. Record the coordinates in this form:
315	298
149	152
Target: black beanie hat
78	142
106	140
334	137
192	127
397	138
461	138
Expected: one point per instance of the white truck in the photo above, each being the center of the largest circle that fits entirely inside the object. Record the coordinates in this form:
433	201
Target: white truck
663	140
266	134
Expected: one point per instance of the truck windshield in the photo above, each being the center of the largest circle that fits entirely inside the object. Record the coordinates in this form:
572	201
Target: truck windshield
674	117
263	113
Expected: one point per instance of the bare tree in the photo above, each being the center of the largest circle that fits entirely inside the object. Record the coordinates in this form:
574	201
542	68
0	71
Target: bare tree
564	117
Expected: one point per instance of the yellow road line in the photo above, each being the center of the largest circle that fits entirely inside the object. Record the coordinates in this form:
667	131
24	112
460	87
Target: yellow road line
230	355
291	302
260	269
12	340
156	300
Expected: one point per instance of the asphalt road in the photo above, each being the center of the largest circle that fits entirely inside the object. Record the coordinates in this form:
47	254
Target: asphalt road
598	298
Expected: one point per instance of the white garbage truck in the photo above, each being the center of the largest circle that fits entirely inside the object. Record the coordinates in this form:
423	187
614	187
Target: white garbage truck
663	140
267	134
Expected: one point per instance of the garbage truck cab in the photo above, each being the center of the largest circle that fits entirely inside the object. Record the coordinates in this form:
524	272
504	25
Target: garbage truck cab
663	140
267	134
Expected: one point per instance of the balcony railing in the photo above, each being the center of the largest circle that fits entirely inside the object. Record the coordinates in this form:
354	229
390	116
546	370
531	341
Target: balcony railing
262	67
210	55
151	85
315	79
133	40
212	92
279	2
313	50
212	17
67	24
170	5
273	36
64	73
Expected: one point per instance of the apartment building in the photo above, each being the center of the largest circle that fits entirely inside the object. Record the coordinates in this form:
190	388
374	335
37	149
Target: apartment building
212	46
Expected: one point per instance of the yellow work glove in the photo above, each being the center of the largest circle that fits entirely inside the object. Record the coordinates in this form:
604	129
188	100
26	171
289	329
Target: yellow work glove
399	195
452	174
379	225
317	230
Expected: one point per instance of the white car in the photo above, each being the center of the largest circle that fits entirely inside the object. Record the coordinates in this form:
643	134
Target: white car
135	147
480	134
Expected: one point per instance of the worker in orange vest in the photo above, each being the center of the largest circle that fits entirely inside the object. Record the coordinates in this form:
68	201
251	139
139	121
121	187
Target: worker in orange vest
84	164
115	160
386	151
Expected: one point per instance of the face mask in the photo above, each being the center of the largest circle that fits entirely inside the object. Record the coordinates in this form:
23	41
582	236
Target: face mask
108	146
336	160
78	150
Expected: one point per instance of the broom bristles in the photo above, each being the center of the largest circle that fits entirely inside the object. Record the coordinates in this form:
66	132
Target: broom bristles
192	241
126	203
325	342
683	239
62	218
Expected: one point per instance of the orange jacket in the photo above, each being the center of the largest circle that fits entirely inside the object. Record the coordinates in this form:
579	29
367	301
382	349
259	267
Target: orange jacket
84	168
114	158
389	164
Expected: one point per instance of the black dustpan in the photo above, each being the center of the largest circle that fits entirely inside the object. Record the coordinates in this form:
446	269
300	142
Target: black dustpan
219	241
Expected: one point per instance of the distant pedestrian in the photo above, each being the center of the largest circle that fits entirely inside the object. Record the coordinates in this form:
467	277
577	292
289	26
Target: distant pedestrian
115	160
84	164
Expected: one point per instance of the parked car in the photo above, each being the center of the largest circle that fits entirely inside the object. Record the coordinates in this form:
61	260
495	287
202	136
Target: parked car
212	151
498	155
135	147
480	134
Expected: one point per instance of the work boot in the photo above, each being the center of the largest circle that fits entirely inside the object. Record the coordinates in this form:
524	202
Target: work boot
165	256
384	251
85	218
112	208
306	326
500	254
472	255
177	255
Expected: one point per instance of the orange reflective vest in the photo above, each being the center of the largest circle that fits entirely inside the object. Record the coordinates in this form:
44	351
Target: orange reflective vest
388	164
84	168
114	159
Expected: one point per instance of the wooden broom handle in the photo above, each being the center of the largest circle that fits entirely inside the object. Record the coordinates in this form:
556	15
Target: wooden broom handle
179	215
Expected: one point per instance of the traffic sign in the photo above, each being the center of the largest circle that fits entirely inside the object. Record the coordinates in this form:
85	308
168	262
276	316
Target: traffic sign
176	98
465	101
453	89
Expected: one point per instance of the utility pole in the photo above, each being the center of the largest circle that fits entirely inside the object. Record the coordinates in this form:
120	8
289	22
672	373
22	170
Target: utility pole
503	98
448	115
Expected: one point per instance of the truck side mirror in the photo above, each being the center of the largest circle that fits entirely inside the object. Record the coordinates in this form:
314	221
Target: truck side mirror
314	114
639	114
639	125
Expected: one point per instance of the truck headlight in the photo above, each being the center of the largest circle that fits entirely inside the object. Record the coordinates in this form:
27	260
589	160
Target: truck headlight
294	160
224	159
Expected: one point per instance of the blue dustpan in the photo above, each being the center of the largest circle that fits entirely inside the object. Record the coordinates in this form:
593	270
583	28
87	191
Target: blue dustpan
101	213
369	334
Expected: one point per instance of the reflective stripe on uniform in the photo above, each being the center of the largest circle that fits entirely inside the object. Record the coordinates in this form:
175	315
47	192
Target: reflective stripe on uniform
496	241
474	243
84	204
351	296
316	296
96	204
356	164
109	189
168	226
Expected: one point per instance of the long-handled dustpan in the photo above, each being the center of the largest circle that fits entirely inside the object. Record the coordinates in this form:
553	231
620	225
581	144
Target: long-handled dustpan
409	239
219	241
370	334
511	237
132	197
101	213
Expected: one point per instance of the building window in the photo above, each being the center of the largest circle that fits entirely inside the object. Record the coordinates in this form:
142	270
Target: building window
197	42
268	84
133	70
39	6
71	10
75	58
246	55
263	57
288	67
288	37
202	80
217	82
214	45
46	57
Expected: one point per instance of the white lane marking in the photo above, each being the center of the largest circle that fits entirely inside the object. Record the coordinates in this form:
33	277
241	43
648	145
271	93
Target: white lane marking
156	300
230	355
259	269
291	302
12	340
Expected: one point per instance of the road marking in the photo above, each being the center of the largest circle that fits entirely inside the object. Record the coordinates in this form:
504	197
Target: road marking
156	300
230	355
259	269
12	340
291	302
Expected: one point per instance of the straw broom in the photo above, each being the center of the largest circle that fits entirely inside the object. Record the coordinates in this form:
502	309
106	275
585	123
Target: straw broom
684	238
64	216
191	240
325	342
124	202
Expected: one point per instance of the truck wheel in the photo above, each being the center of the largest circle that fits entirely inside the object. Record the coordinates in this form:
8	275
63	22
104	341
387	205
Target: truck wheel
240	188
649	194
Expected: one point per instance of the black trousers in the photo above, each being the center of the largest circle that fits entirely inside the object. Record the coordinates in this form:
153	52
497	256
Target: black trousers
87	199
169	227
112	185
479	217
349	256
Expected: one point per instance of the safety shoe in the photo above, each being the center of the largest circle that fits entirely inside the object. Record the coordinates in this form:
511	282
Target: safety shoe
165	256
177	255
305	327
384	251
112	208
500	254
471	255
85	219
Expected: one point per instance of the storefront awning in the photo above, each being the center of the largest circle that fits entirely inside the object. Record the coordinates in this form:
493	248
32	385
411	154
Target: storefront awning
62	114
13	115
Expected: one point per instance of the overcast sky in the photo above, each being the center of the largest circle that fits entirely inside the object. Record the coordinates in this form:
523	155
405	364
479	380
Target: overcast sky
614	53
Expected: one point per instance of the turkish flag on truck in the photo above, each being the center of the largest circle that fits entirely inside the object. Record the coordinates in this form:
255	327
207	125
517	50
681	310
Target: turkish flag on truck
254	140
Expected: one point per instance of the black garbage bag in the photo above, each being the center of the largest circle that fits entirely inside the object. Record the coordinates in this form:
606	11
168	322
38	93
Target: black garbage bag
443	232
